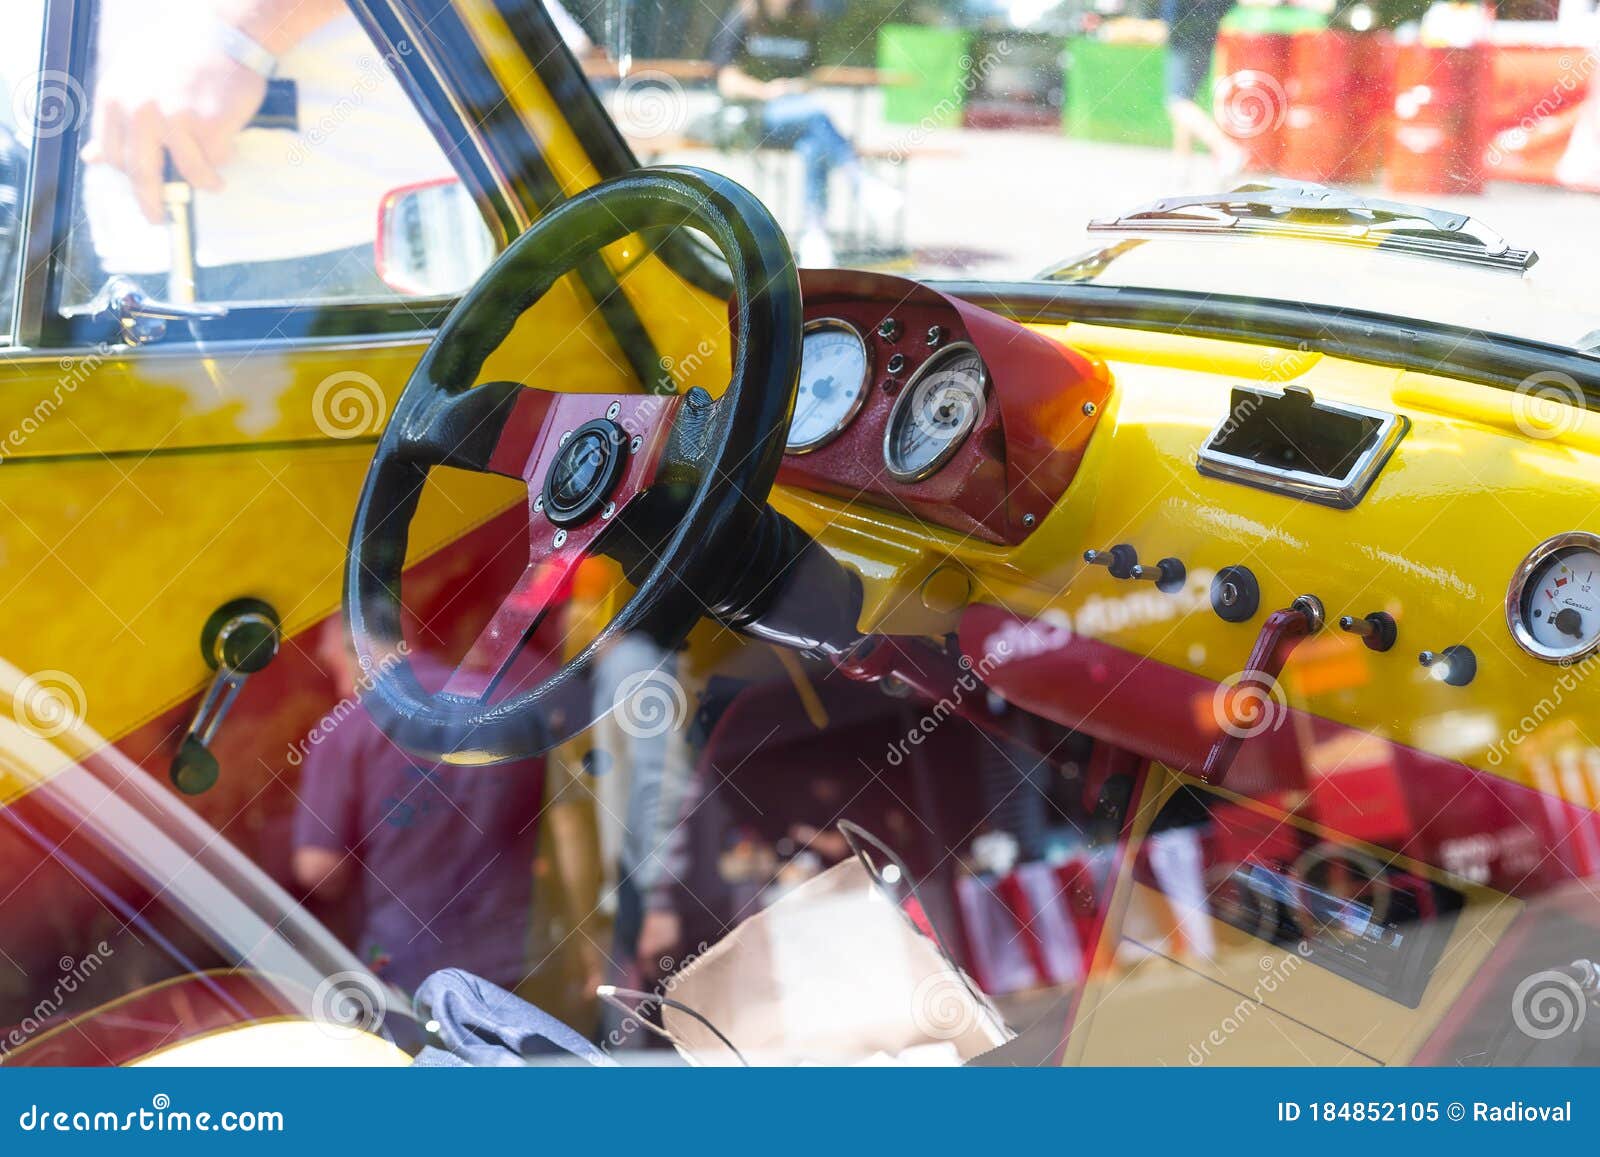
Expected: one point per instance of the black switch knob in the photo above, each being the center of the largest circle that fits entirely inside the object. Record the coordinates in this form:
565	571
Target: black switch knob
1377	630
1455	665
1169	575
1119	560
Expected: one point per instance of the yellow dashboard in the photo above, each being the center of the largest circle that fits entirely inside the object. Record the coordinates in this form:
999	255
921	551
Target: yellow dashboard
1470	491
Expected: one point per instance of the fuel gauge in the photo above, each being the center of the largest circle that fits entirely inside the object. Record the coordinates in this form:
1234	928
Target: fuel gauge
1553	606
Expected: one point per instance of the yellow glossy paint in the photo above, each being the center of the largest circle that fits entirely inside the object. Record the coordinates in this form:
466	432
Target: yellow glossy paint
689	327
1157	997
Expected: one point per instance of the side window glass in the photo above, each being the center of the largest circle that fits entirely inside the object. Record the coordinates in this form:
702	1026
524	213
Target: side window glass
35	105
230	164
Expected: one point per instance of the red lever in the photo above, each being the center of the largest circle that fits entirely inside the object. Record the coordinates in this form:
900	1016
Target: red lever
1245	702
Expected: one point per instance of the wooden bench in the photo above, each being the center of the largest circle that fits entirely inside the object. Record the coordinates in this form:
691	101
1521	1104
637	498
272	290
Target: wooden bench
772	183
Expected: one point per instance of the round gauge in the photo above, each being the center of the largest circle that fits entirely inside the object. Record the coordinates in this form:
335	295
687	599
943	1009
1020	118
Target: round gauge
1553	605
833	384
939	407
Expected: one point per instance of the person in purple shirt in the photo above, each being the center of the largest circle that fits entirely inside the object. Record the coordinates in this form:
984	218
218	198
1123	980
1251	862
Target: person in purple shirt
438	860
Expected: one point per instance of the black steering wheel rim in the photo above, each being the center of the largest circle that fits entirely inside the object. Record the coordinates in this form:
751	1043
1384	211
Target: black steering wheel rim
721	460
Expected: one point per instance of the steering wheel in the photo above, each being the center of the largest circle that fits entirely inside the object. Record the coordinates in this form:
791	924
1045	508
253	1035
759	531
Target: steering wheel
673	486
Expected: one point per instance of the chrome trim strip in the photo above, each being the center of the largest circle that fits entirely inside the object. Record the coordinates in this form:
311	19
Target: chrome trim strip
944	355
1537	557
838	427
1344	491
195	351
43	202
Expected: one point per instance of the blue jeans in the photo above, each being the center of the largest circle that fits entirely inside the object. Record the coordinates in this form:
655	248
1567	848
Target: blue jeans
797	121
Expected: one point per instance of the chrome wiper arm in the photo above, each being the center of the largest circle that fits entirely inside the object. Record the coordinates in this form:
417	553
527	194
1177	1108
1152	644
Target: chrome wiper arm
1309	210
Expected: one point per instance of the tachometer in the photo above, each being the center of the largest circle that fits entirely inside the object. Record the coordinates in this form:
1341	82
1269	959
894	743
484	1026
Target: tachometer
833	384
1553	606
939	407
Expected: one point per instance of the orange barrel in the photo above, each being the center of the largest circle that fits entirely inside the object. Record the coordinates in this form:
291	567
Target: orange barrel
1249	98
1440	129
1339	95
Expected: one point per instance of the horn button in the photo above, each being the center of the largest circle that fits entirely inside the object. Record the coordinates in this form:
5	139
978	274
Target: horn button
585	472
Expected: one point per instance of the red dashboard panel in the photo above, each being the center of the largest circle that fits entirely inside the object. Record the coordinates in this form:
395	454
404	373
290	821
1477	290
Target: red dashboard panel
1025	448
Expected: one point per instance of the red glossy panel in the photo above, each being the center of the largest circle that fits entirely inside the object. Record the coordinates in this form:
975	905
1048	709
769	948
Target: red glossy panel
1026	447
1440	812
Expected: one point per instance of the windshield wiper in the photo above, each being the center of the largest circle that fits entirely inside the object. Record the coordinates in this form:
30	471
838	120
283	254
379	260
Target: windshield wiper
1321	213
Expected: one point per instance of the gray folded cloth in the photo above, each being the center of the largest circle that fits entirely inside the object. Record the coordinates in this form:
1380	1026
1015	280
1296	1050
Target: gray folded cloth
482	1025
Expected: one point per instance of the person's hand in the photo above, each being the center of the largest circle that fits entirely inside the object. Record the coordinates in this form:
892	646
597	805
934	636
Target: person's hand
193	113
658	938
785	86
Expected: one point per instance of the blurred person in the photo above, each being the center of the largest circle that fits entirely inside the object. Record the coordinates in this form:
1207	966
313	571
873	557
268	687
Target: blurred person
643	773
277	213
763	55
1579	167
1192	30
438	859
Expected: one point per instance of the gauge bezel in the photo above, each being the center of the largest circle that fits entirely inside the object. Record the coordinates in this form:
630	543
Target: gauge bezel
1516	596
843	423
940	460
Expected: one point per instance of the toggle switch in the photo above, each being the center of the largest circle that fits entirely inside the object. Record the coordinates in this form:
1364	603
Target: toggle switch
1376	630
1455	665
1119	560
1169	575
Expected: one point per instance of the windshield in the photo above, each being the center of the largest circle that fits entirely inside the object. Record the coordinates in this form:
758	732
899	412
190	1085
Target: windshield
977	139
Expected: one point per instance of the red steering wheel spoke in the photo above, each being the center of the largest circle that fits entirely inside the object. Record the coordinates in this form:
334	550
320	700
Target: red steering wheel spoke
712	464
585	459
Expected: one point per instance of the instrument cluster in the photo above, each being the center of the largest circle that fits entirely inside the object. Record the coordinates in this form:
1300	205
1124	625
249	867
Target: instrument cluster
932	407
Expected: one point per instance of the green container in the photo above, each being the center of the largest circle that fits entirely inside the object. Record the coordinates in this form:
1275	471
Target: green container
1117	92
934	62
1278	18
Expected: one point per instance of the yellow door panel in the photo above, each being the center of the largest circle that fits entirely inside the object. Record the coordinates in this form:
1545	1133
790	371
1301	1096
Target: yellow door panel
110	567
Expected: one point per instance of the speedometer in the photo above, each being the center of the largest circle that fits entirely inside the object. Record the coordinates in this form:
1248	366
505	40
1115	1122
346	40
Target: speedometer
940	406
1553	606
833	384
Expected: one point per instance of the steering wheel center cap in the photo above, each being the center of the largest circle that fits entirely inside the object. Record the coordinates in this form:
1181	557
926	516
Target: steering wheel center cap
585	472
